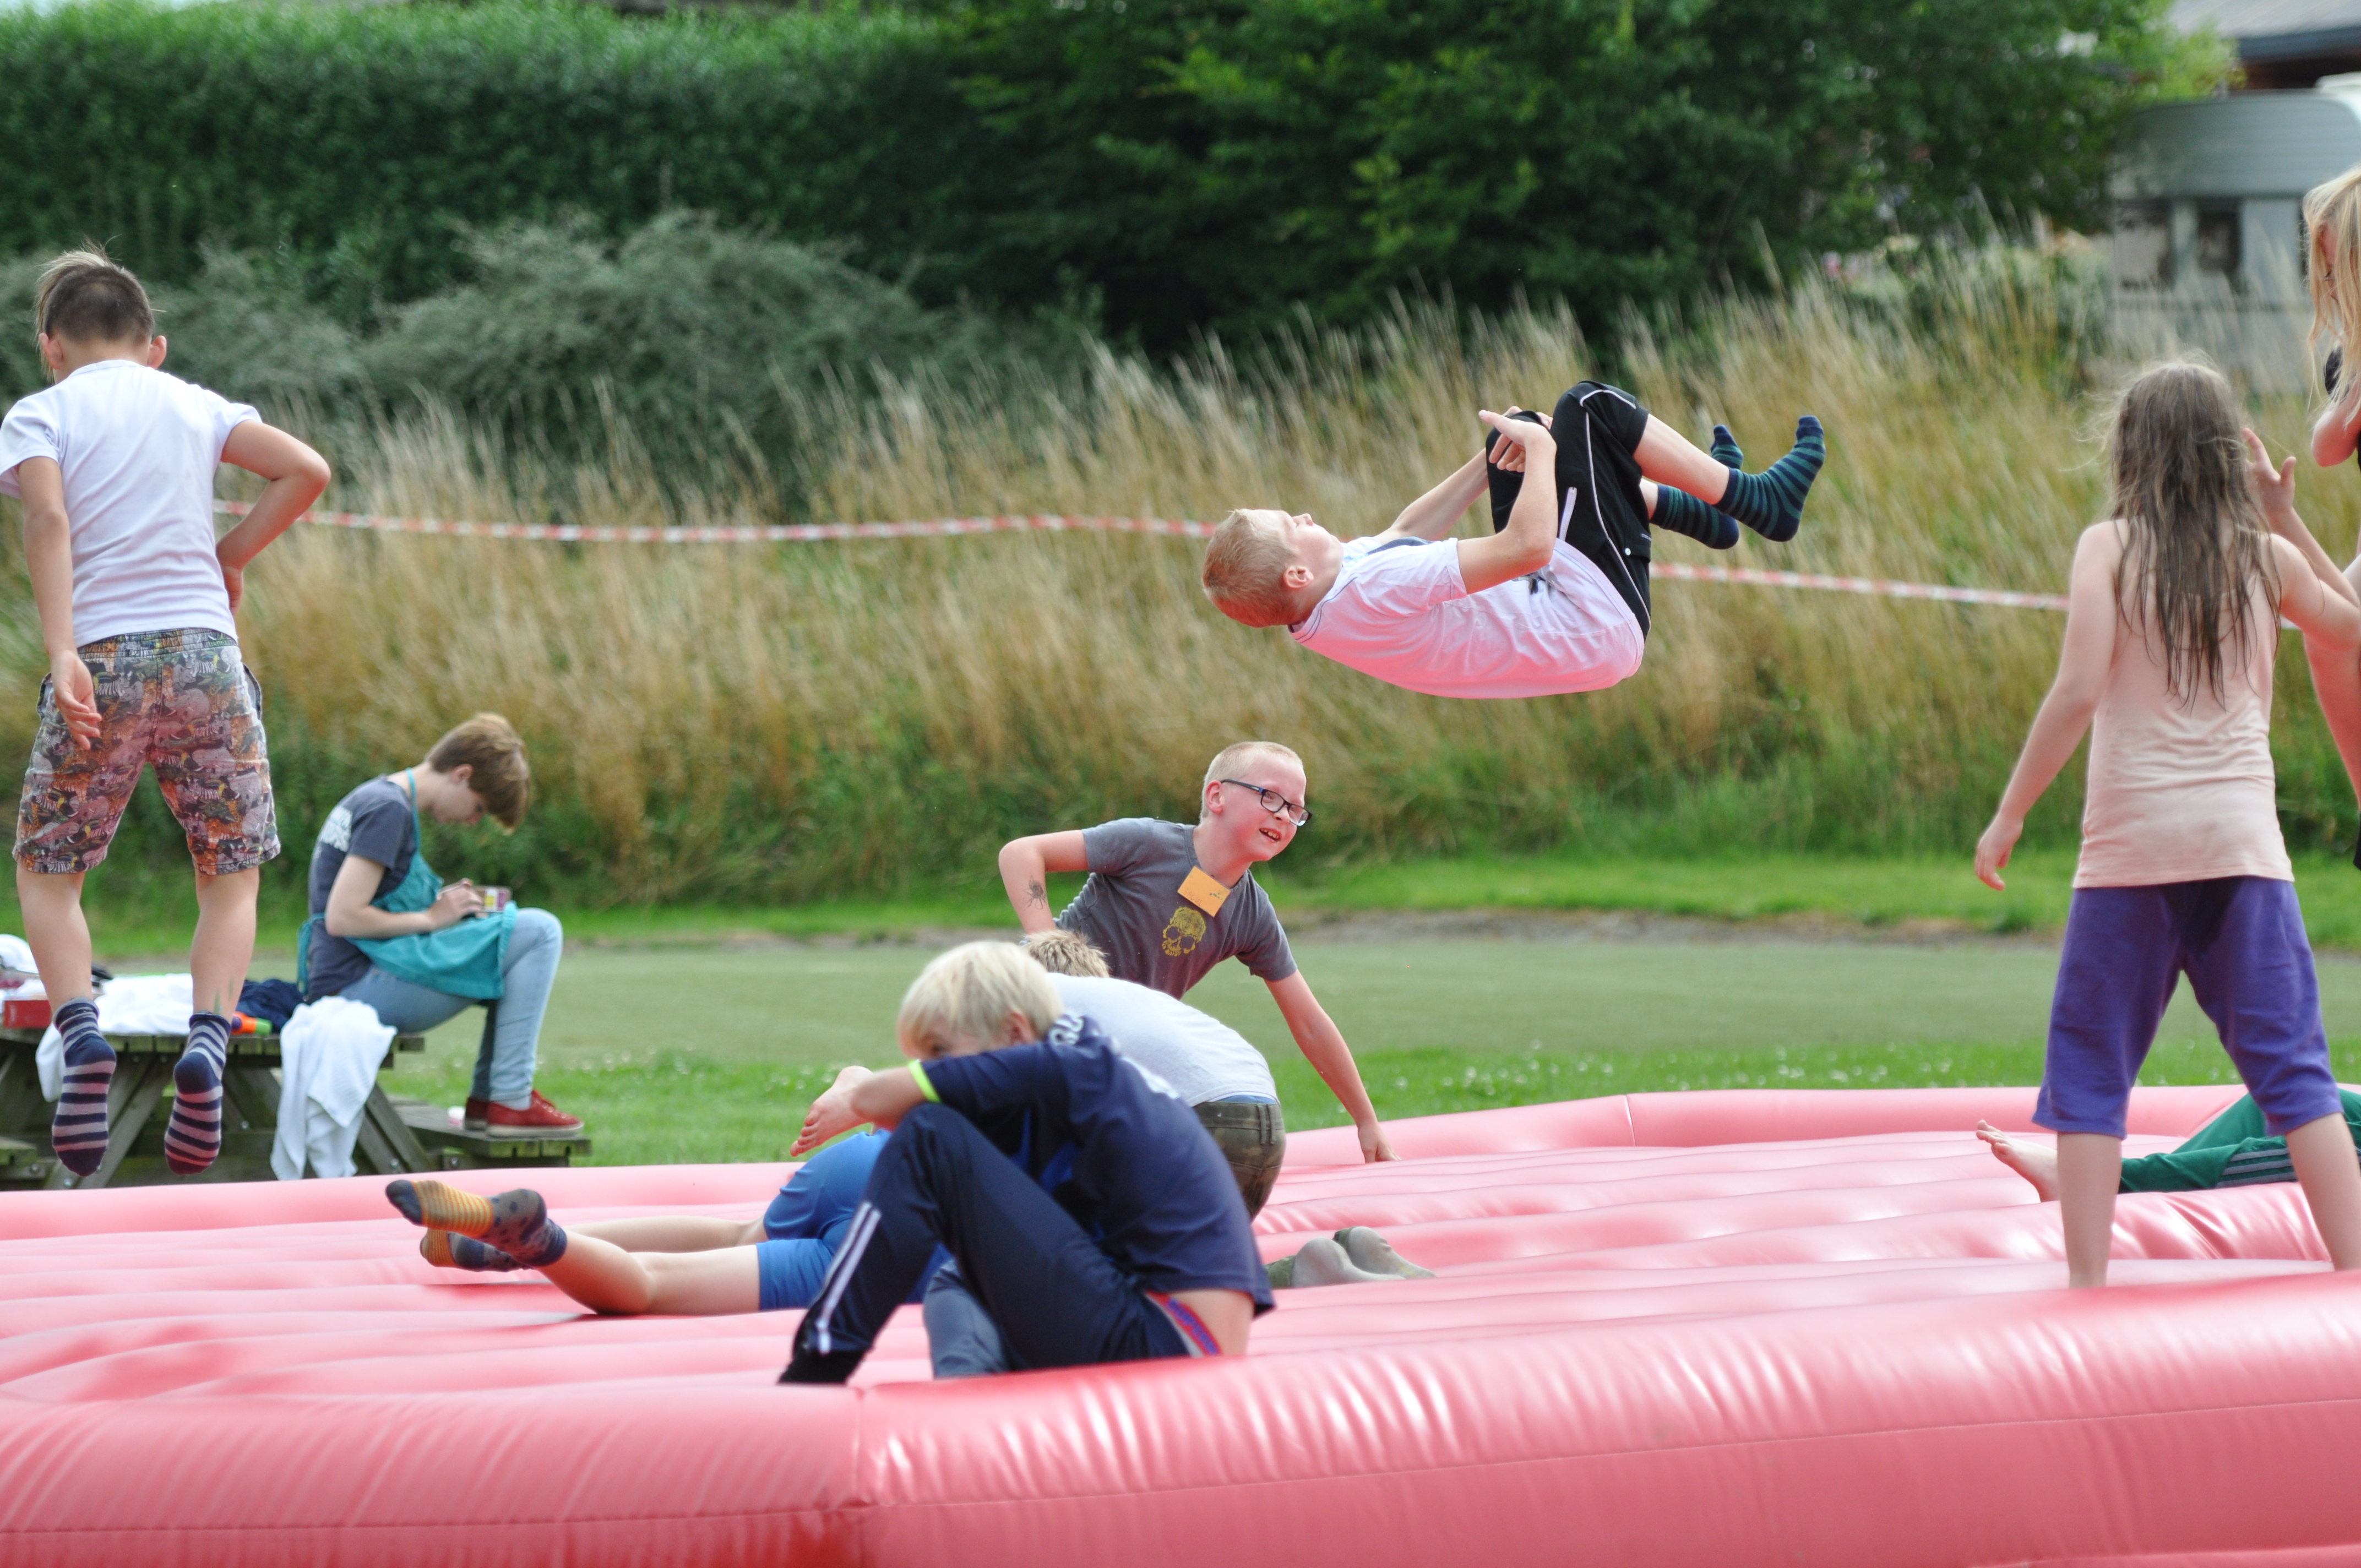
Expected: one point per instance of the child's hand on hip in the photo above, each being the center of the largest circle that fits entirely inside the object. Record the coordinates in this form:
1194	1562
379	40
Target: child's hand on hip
1994	848
76	695
234	583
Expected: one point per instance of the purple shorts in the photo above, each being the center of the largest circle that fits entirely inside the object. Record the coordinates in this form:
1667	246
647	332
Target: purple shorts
2241	942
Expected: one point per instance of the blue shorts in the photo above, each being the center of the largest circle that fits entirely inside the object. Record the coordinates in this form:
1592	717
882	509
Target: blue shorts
806	1222
2242	944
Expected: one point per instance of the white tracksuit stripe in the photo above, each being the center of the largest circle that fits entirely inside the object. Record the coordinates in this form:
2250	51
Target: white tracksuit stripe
839	1274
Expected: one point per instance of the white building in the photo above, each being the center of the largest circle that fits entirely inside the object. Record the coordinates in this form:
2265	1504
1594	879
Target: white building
2209	230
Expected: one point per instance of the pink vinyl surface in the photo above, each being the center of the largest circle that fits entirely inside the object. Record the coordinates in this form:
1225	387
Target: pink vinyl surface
1751	1327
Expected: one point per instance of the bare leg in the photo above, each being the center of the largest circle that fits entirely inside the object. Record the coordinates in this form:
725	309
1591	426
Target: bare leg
2031	1161
672	1232
606	1279
2321	1152
1670	459
2090	1168
2337	682
224	947
55	931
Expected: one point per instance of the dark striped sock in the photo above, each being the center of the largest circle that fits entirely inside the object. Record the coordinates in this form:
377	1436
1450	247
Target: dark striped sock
1772	502
1725	449
516	1223
1683	513
193	1137
447	1249
78	1129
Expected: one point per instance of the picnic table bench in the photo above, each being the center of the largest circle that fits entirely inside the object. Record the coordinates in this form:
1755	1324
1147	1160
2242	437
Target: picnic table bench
398	1135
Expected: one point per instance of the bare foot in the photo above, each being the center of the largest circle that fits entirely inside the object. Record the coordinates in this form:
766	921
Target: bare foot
2036	1164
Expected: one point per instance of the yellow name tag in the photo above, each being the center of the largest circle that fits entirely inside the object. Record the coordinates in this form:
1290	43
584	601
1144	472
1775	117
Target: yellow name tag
1203	890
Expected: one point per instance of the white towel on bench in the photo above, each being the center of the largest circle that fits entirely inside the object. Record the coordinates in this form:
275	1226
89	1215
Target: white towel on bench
328	1058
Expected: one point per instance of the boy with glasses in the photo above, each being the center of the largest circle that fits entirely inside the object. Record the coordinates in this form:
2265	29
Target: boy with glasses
1166	901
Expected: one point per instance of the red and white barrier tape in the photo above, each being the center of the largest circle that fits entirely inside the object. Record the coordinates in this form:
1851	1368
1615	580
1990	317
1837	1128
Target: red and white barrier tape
770	533
948	527
2006	597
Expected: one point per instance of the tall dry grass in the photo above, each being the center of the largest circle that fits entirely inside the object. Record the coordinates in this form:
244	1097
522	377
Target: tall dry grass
734	721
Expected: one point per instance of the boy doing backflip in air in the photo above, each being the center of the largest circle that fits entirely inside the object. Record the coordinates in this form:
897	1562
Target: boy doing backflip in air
1556	600
137	599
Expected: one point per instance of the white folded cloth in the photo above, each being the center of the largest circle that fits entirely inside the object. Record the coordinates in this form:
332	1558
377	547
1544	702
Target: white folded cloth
328	1058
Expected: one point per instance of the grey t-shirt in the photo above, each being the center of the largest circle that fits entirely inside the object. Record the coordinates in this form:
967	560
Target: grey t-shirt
1132	909
375	823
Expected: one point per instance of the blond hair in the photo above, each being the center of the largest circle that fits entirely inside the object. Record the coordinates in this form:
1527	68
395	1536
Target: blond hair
1243	570
964	998
1236	754
490	747
2332	229
1066	953
85	296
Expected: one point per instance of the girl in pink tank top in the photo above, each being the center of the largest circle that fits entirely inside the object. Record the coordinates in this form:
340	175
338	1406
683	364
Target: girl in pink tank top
2171	632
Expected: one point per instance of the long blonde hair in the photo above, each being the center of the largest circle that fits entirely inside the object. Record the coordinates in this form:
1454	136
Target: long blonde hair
2197	544
2332	236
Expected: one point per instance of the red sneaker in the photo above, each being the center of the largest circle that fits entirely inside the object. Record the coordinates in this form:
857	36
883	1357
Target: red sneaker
539	1116
477	1116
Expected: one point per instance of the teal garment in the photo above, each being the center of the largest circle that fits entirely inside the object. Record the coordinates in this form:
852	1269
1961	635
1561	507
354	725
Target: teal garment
2234	1149
463	959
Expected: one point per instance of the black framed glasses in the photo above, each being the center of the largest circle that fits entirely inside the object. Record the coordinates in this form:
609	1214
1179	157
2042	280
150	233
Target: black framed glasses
1275	802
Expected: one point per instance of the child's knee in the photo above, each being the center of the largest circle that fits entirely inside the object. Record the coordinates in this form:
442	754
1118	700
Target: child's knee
538	927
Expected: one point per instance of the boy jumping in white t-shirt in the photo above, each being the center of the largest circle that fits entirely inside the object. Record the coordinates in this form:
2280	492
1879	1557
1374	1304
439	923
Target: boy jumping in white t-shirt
137	601
1556	600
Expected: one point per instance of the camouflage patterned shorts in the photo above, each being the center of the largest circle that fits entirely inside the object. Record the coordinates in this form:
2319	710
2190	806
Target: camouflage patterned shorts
181	702
1253	1138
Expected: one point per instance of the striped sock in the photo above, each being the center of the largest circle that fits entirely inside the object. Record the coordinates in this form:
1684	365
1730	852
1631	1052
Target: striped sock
78	1130
1725	449
516	1223
193	1137
1772	502
1683	513
447	1249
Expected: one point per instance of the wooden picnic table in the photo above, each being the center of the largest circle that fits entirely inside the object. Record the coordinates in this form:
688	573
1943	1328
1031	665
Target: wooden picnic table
398	1136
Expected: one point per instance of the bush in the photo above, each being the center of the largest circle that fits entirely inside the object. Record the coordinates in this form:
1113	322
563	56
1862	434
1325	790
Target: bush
364	140
702	342
1190	163
1227	161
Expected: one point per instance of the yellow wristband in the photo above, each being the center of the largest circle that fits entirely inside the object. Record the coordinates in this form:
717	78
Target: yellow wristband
918	1077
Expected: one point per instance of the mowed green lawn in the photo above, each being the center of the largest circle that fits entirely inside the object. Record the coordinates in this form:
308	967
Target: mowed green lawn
686	1054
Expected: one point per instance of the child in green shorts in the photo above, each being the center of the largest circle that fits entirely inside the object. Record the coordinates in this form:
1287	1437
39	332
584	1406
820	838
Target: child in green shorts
2233	1149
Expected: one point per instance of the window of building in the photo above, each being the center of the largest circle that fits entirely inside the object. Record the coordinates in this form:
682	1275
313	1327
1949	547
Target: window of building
2144	245
2217	239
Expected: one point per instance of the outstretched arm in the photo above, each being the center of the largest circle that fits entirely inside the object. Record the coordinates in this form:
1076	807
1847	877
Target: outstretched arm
1435	514
2276	486
1024	868
1324	1047
2090	620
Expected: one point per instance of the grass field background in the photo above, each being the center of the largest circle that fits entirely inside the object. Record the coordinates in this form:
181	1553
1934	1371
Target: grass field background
690	1053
